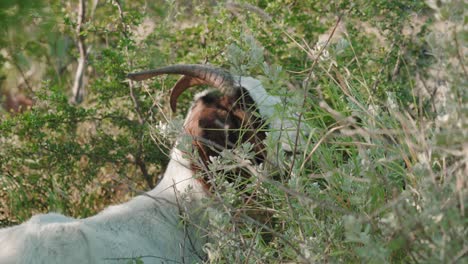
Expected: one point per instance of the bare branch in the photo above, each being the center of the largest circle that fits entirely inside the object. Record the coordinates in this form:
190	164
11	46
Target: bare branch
78	83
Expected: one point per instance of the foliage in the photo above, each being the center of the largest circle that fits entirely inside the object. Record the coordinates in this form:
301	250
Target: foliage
381	178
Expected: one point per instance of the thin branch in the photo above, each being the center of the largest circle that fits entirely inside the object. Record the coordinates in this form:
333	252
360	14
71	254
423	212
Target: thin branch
241	7
309	156
122	20
460	255
306	84
459	51
139	157
132	259
139	161
136	103
25	78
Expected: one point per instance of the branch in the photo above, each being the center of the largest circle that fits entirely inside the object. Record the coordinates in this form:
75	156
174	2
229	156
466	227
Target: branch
25	78
304	101
140	162
139	157
78	83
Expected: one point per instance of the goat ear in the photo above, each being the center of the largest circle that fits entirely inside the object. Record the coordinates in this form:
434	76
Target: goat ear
181	85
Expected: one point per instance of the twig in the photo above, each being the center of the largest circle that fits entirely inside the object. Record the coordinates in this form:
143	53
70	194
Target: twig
136	103
183	215
395	69
139	159
306	82
78	83
309	156
122	20
459	56
460	254
239	7
131	259
25	79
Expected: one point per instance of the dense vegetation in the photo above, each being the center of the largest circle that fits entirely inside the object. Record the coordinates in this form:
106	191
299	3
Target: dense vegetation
381	86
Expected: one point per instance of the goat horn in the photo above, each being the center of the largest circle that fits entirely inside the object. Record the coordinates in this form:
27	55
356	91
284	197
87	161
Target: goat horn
194	74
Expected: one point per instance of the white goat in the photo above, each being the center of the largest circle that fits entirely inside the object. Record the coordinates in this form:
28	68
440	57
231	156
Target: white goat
148	226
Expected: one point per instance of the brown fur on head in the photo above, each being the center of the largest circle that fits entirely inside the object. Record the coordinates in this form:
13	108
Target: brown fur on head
218	122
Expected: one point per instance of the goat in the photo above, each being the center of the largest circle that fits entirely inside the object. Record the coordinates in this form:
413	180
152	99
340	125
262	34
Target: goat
149	226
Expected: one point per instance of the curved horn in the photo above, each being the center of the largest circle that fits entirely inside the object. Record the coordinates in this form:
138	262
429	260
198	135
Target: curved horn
194	74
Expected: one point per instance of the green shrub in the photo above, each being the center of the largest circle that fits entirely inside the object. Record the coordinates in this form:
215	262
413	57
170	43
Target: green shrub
382	177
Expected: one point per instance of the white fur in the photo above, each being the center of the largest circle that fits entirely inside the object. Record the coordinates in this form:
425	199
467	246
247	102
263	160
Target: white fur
283	124
148	226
